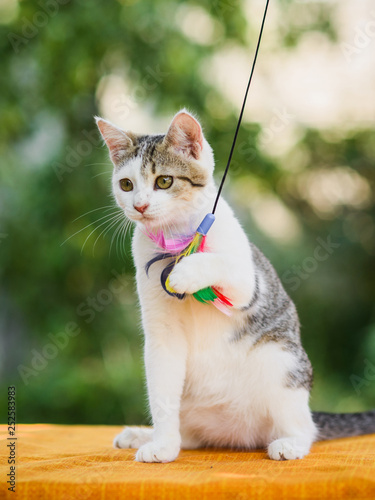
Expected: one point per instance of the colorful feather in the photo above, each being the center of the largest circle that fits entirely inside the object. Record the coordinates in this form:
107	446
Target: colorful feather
180	247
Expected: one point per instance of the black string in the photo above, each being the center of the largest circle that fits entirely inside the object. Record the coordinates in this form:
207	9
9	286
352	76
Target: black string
242	110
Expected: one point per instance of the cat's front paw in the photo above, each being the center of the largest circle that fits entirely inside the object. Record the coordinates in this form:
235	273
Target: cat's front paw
132	437
158	451
186	276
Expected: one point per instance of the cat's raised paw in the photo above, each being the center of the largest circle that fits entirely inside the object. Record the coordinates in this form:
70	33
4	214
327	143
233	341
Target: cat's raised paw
156	451
185	277
132	437
287	449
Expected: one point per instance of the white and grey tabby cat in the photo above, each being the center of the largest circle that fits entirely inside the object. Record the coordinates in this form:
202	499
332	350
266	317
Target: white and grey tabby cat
241	381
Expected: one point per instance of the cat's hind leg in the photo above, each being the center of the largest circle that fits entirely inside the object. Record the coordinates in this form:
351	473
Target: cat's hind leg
293	428
189	441
133	437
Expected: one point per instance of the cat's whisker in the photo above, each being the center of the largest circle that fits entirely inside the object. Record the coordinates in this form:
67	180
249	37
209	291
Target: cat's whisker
117	230
121	237
107	216
102	173
115	233
96	228
105	207
94	164
116	220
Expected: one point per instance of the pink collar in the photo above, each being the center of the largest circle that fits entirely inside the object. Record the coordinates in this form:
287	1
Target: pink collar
171	245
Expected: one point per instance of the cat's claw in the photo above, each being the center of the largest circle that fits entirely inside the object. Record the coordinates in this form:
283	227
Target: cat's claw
156	451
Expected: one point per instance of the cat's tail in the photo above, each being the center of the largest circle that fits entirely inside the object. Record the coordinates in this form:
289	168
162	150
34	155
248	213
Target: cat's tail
339	425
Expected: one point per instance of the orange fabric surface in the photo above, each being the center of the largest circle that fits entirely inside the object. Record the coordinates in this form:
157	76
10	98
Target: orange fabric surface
57	462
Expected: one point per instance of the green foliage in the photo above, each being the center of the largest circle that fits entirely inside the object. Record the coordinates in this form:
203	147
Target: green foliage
47	103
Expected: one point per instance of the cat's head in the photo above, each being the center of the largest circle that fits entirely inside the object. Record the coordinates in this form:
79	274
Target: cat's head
159	180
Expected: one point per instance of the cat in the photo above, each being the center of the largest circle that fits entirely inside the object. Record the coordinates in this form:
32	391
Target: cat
240	381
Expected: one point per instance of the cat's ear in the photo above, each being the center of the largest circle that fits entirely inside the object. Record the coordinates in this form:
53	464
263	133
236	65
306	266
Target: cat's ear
185	135
116	139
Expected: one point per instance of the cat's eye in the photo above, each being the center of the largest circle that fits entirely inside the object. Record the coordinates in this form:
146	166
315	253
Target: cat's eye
126	184
164	182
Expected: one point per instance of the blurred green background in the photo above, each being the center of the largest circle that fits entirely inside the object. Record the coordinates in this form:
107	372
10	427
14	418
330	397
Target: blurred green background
302	183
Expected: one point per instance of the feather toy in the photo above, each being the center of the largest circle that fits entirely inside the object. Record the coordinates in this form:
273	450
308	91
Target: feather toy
184	245
194	243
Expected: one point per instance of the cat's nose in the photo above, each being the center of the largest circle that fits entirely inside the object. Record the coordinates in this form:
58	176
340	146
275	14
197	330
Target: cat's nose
141	209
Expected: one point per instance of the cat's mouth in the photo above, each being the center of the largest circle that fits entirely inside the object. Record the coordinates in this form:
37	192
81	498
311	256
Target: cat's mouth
142	217
151	220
